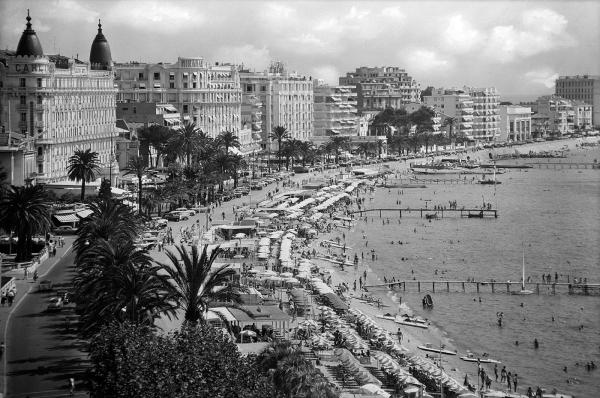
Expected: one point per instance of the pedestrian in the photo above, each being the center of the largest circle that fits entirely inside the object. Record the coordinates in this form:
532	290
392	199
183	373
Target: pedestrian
35	275
503	374
496	371
515	382
71	386
25	272
529	392
10	297
509	381
3	299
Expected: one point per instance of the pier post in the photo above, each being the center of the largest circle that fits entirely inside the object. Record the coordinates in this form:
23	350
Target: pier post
419	287
477	287
554	288
463	286
495	213
379	213
537	288
433	285
404	285
507	287
448	286
421	213
493	285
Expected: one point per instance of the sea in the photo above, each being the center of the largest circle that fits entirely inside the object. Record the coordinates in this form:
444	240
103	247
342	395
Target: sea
549	216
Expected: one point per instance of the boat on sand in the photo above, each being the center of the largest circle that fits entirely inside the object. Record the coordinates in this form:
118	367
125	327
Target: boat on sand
470	357
440	350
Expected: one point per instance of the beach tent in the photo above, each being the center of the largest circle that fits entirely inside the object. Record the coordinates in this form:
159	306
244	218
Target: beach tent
336	302
374	389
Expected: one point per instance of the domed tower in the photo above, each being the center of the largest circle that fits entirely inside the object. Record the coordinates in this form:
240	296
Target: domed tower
100	58
29	44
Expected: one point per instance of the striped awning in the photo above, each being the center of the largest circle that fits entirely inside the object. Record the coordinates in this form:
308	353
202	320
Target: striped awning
66	217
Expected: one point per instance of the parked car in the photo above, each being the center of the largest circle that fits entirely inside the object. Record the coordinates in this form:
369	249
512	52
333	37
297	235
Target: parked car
177	216
56	304
190	212
64	230
199	209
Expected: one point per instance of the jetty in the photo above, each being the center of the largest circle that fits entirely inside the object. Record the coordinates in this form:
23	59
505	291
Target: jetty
428	212
460	286
444	180
565	165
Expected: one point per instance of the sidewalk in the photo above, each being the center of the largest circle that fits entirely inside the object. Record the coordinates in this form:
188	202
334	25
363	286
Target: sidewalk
24	286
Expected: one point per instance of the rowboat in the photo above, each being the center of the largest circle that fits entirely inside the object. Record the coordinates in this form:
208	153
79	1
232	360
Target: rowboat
430	348
471	358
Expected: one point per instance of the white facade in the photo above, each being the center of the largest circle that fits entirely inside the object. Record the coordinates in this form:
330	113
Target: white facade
335	111
378	88
208	95
485	113
455	104
60	106
515	123
286	99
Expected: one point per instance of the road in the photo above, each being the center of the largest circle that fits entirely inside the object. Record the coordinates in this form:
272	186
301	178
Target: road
41	354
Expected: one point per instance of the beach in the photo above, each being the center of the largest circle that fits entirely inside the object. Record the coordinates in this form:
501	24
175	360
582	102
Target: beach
436	335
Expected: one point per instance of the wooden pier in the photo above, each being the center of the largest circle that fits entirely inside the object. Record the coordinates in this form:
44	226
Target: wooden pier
439	213
448	181
565	165
490	287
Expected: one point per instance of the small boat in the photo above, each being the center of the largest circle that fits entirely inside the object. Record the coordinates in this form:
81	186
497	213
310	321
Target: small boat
475	215
523	291
414	322
490	182
427	301
431	348
471	358
431	216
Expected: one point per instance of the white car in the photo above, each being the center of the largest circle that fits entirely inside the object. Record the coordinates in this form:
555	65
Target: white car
189	212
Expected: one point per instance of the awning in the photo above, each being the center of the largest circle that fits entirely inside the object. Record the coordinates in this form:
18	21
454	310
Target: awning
84	213
66	217
336	302
156	85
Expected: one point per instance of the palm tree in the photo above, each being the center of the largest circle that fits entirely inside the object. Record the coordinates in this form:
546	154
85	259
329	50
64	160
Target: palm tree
365	147
227	140
192	282
157	137
307	151
111	221
23	210
291	149
137	167
186	141
116	281
339	143
83	165
279	134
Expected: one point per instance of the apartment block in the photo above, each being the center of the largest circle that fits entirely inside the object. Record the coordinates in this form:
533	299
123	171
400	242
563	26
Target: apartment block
335	111
455	104
585	88
208	95
284	98
378	88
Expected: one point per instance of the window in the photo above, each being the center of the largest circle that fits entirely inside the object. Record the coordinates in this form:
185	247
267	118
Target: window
39	82
171	85
171	76
23	100
185	84
40	151
185	108
249	88
134	109
39	100
40	168
156	76
22	82
23	117
140	76
194	85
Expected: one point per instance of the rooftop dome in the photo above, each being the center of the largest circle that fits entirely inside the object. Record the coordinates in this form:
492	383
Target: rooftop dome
29	44
100	53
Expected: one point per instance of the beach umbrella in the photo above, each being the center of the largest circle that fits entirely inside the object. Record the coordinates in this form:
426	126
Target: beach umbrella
286	275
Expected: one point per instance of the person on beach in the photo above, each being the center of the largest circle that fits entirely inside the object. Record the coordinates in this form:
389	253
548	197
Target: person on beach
503	374
509	381
515	381
496	371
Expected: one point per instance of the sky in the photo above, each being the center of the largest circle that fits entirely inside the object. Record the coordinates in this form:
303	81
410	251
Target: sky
519	47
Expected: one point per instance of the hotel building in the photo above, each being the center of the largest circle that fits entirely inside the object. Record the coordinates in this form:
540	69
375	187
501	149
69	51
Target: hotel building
286	99
382	87
208	95
584	88
57	105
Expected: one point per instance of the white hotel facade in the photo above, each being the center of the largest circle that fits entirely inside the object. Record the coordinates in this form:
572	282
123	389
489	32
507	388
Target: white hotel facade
55	105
